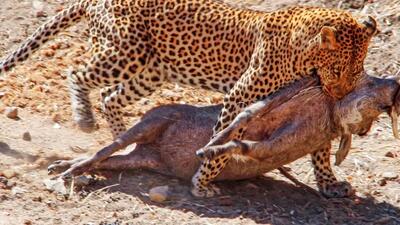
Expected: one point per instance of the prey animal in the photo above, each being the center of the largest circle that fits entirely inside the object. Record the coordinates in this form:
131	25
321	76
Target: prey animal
293	122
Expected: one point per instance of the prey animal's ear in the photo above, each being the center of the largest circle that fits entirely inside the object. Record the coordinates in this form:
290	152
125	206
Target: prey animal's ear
328	38
370	26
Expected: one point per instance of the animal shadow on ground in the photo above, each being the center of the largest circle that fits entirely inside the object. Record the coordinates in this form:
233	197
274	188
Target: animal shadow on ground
40	162
5	149
263	200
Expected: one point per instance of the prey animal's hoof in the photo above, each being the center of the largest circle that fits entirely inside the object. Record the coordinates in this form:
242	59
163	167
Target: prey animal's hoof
211	152
206	192
231	148
58	167
69	168
338	190
200	153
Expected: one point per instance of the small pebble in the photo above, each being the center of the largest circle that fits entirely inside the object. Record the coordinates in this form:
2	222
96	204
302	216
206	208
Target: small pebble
9	173
159	194
4	183
10	184
11	112
390	175
56	118
392	154
49	53
37	199
26	136
382	182
41	14
17	191
57	186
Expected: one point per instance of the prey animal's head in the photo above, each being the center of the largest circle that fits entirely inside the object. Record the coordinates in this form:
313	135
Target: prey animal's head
357	111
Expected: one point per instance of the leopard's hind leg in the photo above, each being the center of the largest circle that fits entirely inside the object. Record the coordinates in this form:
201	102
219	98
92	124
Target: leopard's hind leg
108	67
116	98
80	102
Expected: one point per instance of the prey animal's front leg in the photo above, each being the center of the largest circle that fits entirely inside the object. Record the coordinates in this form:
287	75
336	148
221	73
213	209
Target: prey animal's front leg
326	180
219	156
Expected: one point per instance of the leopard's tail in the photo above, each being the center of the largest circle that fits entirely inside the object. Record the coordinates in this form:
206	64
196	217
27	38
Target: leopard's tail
59	22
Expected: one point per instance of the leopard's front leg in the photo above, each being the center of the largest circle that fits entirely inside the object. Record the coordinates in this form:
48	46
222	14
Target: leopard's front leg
254	84
211	168
327	183
208	170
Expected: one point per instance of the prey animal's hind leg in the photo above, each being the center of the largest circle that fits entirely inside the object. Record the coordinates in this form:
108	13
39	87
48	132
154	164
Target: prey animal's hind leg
137	159
145	131
326	180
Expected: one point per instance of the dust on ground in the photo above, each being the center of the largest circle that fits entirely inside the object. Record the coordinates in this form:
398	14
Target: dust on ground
38	88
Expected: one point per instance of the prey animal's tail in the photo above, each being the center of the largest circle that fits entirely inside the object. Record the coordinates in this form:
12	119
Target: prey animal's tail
59	22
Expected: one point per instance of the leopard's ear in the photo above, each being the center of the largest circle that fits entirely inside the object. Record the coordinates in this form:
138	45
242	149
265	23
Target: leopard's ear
328	38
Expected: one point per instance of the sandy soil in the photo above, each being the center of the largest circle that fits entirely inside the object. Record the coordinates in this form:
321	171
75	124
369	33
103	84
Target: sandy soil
38	88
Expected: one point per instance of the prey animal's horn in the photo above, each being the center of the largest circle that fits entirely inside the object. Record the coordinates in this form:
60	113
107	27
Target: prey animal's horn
395	128
344	148
371	26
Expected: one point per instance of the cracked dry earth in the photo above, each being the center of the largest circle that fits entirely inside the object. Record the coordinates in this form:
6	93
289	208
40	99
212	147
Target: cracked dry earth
38	89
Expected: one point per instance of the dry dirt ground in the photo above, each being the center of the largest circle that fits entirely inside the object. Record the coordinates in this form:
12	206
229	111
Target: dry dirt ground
38	88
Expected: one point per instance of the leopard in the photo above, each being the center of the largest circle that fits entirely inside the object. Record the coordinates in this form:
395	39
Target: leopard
137	45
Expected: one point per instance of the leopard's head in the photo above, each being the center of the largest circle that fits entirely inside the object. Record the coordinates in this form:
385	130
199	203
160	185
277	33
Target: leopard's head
342	48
